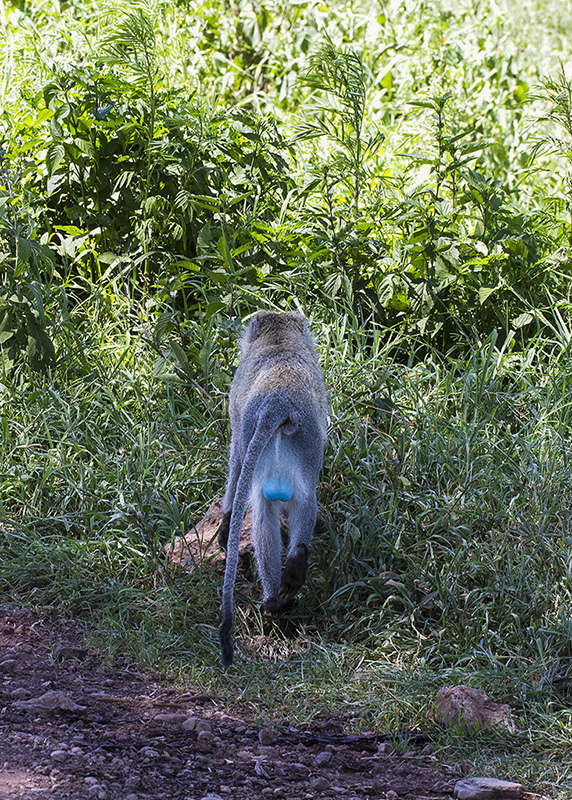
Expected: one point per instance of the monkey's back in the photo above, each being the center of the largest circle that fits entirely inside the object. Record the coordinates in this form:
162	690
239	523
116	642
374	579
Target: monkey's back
295	375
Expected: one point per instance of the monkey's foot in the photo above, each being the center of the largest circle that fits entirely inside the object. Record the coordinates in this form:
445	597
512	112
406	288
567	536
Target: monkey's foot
271	605
223	530
293	577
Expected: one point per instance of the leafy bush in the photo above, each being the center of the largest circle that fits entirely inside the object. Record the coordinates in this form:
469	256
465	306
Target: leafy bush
27	297
129	178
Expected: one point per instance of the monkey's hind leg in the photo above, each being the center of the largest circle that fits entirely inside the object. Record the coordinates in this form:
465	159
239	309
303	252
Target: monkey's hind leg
267	547
301	521
223	530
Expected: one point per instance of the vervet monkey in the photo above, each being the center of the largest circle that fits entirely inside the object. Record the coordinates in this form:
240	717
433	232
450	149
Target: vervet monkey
278	416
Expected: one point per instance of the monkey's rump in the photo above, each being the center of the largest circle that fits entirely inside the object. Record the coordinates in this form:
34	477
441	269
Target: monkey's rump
277	488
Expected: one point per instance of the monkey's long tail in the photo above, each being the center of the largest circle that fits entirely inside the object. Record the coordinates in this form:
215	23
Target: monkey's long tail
272	415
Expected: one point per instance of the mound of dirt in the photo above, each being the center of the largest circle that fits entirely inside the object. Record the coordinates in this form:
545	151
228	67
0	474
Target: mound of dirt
73	728
201	544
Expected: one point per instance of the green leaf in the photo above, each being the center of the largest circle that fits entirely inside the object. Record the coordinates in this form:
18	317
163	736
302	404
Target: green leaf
485	292
164	324
180	355
523	319
73	230
54	156
387	82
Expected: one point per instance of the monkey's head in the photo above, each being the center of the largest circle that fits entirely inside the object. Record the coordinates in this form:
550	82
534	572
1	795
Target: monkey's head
272	329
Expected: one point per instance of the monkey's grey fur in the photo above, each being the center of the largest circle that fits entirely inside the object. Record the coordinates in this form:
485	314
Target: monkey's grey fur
278	415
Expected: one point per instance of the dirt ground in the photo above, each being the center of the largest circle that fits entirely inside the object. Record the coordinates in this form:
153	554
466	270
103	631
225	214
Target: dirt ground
74	728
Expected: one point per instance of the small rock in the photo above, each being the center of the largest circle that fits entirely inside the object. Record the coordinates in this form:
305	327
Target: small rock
205	741
20	693
59	755
267	736
260	771
320	783
149	752
51	700
90	780
471	708
64	652
203	726
172	718
323	758
384	748
487	789
190	723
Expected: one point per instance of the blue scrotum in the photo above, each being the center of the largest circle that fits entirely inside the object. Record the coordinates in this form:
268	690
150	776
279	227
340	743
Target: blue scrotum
277	488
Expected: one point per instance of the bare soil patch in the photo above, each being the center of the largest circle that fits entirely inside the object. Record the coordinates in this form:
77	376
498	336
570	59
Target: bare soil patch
72	727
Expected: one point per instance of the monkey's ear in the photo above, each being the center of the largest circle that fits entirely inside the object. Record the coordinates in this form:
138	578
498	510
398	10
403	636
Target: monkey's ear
253	328
302	324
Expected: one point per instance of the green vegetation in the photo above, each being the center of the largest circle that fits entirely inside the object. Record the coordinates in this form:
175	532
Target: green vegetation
400	172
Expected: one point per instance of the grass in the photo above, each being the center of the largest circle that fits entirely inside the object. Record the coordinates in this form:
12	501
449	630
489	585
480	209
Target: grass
446	551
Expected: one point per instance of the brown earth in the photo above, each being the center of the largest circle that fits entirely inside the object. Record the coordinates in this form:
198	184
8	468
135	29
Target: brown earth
72	728
200	543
